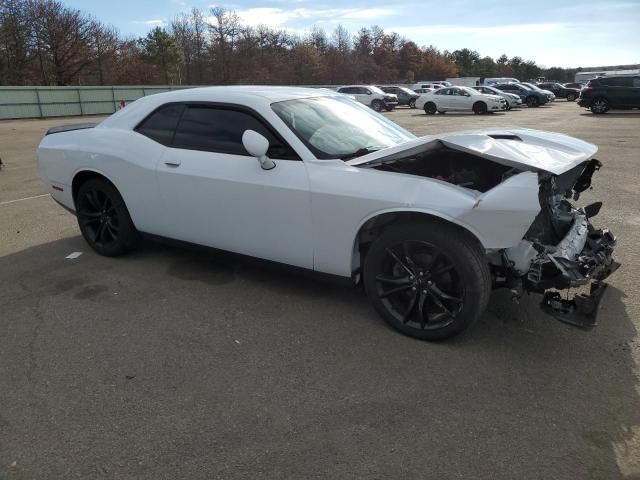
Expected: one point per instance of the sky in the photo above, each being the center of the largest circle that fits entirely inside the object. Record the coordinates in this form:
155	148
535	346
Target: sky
565	33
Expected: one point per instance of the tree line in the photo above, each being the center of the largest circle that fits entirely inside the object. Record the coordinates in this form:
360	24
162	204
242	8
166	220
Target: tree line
44	42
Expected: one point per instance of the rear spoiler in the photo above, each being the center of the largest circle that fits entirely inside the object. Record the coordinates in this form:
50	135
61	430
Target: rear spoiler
69	128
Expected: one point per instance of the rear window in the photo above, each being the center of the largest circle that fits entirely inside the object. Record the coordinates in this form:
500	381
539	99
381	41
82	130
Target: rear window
161	124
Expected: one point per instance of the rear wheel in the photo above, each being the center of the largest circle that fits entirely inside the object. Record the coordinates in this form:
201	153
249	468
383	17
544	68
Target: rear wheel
571	97
532	101
479	108
103	218
377	105
427	281
599	105
430	108
412	103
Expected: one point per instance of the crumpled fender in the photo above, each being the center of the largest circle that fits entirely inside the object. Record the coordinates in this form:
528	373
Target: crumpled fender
504	214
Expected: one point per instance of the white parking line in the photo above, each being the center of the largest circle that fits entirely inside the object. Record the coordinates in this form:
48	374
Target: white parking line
22	199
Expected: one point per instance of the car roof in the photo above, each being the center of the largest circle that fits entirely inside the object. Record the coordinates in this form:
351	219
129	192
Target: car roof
248	95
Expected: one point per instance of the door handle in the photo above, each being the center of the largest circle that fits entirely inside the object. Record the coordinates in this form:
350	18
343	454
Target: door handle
174	162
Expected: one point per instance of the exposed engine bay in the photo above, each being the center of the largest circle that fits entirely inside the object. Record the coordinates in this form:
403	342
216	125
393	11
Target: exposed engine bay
561	249
452	166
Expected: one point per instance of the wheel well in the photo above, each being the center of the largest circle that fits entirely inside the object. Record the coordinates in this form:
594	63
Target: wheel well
82	177
373	228
479	102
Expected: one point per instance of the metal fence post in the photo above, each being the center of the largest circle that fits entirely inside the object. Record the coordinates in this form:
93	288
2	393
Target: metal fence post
79	101
113	97
38	100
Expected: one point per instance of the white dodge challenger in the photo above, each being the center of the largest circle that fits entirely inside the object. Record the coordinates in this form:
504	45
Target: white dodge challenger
312	179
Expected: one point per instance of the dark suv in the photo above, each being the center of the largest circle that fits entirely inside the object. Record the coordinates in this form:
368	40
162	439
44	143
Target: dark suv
604	93
405	96
560	91
533	98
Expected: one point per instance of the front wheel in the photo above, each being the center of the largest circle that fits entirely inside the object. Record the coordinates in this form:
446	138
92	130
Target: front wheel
103	218
427	281
377	105
571	97
599	105
389	108
479	108
532	101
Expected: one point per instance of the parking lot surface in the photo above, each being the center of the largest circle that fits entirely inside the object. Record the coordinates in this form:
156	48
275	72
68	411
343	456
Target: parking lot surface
180	362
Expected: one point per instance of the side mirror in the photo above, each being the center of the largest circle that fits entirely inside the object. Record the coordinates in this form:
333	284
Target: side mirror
257	146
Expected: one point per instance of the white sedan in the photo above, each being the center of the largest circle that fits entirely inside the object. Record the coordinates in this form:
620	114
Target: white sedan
460	99
313	179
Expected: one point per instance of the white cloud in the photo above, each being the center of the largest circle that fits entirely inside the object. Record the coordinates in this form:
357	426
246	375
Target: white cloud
280	17
492	31
150	22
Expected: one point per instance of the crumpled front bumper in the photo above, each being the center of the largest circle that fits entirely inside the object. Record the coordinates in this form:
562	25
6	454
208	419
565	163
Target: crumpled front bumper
584	256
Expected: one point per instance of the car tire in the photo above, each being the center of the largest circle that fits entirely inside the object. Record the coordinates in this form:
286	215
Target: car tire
389	109
377	105
428	281
532	101
571	97
430	108
104	219
599	105
479	108
508	106
412	103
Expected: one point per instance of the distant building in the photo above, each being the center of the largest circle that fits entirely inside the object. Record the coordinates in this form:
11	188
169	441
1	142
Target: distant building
590	73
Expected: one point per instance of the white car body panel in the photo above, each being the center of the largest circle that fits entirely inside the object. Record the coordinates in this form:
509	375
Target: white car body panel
305	213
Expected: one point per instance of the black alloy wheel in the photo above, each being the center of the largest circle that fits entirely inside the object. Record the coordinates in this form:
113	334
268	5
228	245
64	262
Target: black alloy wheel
419	286
427	281
103	218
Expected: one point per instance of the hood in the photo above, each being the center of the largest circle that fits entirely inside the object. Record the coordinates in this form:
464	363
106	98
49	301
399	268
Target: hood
524	149
493	96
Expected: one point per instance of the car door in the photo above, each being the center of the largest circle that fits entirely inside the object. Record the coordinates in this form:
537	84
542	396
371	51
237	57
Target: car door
464	100
443	100
214	193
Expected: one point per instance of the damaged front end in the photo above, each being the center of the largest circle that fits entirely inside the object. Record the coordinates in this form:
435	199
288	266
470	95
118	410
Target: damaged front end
562	250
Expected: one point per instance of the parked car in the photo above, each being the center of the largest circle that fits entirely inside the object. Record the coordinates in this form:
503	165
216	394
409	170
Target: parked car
550	95
405	95
494	81
560	91
432	85
604	93
578	85
460	99
532	98
512	99
371	96
425	90
315	180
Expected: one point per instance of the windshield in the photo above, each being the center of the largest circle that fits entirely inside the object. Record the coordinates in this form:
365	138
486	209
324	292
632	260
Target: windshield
469	90
531	86
525	86
406	90
375	90
337	127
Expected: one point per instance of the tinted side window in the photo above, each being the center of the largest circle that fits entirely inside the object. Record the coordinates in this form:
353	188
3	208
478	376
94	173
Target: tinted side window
220	130
636	82
161	124
618	82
